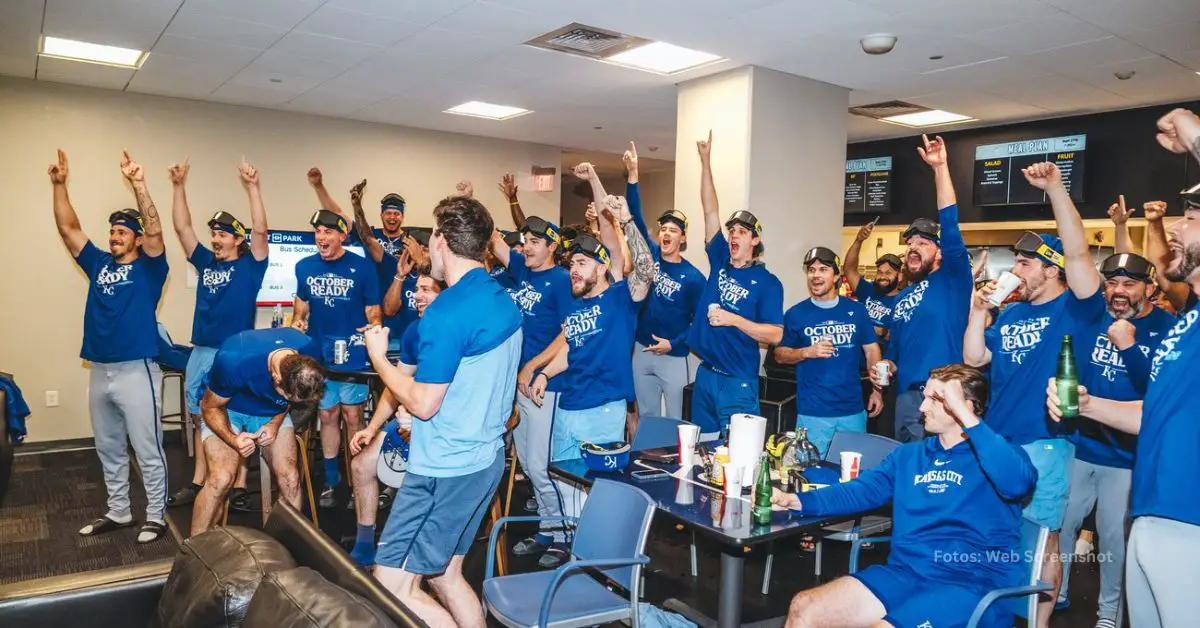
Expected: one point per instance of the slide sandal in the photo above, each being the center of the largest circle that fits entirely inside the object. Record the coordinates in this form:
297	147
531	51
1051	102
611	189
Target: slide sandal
102	525
151	532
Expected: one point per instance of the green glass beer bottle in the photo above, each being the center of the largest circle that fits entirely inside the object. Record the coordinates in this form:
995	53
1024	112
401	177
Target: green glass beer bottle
1066	378
762	493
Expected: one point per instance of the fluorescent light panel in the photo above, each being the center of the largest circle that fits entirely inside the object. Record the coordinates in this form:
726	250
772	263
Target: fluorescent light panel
663	58
933	117
487	110
92	53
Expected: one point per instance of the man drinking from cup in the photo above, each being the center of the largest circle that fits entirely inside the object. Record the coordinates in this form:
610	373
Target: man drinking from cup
955	508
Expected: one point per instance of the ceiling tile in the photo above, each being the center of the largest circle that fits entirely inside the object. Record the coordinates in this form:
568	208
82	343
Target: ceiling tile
333	21
330	102
1061	95
419	12
444	48
79	73
126	23
225	30
1104	51
21	27
216	54
495	21
1169	40
1148	75
1048	31
179	76
329	49
275	64
1125	16
237	94
279	13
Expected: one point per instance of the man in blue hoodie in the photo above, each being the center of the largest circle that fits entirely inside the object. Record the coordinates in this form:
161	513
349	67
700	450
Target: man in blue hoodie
930	315
956	523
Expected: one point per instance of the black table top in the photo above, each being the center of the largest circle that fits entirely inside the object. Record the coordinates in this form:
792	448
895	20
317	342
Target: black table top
706	509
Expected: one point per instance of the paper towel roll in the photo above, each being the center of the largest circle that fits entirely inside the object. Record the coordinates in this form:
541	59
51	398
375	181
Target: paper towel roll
747	437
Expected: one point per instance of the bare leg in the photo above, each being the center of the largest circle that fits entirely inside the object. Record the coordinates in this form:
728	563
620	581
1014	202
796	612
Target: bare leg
281	455
366	482
354	417
1051	574
843	602
331	436
407	588
200	469
458	596
240	480
222	462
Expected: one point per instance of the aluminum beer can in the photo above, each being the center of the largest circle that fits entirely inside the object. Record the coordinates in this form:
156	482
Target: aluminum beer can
341	352
884	373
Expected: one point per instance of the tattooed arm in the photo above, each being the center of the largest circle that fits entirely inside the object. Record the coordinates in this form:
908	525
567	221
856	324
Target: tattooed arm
361	226
152	242
643	258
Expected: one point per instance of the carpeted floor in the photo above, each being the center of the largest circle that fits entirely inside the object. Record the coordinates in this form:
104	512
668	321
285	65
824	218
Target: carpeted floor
50	497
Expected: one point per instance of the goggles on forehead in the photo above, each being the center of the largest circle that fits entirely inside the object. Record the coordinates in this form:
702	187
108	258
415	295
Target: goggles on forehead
1128	265
128	218
540	227
823	255
225	221
593	248
1031	244
675	216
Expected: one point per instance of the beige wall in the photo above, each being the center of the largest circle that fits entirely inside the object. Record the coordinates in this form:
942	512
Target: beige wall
42	290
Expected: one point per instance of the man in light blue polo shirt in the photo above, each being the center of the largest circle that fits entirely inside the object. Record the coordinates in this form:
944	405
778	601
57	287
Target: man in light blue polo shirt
460	396
231	273
120	339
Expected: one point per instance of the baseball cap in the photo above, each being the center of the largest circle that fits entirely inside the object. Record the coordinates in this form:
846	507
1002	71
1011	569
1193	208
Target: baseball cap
1047	248
676	217
825	256
925	228
1128	265
543	229
129	218
890	260
391	201
225	221
393	456
328	219
587	245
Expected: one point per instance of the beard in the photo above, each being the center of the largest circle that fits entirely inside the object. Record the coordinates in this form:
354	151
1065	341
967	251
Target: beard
1131	311
1188	263
584	286
919	275
884	286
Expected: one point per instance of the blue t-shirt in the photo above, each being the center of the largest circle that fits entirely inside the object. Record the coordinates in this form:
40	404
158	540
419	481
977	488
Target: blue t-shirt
929	317
225	295
502	276
751	292
1166	478
409	345
338	293
1102	369
391	246
599	334
672	302
119	322
1025	341
544	298
879	305
241	374
829	387
470	339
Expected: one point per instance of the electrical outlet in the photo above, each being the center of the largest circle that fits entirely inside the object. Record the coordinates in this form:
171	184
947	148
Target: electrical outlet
51	398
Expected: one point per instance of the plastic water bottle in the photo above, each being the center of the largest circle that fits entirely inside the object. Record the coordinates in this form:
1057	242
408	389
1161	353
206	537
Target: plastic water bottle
277	317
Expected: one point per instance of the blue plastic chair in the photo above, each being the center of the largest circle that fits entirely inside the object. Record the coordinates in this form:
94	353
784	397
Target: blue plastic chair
1021	600
610	541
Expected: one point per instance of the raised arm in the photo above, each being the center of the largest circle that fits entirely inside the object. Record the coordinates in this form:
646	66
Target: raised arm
1119	214
258	212
317	181
1082	276
708	191
1159	253
639	251
152	235
850	265
934	153
181	216
975	349
363	228
64	213
500	248
508	187
393	300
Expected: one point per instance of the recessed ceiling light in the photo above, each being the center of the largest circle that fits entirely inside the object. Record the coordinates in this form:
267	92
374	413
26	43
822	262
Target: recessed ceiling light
933	117
663	58
92	53
487	110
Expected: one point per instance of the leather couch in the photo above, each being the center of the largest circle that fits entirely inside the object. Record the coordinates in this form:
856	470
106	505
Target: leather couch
316	584
6	448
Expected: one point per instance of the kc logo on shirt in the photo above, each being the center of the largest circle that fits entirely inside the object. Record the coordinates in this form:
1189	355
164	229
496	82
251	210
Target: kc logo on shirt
1108	358
906	306
214	279
1016	339
1166	350
107	280
330	287
581	324
731	291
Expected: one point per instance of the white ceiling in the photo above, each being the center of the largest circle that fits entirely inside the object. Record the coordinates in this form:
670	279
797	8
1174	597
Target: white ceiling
404	61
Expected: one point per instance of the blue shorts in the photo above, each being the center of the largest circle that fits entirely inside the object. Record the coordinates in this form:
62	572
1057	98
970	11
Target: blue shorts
717	397
435	519
602	424
196	375
239	423
1052	457
911	601
822	428
345	393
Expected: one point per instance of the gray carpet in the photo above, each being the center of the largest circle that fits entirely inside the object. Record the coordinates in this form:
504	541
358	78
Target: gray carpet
50	497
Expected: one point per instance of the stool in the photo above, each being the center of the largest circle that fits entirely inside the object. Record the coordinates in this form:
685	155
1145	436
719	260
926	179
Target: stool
182	418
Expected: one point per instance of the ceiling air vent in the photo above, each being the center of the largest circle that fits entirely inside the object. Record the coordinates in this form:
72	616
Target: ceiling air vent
586	41
881	110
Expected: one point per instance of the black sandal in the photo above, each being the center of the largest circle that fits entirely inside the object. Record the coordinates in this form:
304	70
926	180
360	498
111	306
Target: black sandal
154	528
102	525
239	499
182	497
